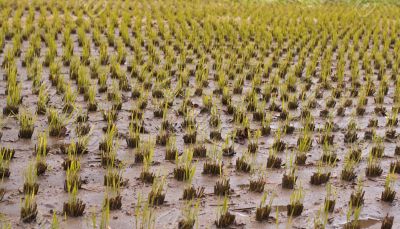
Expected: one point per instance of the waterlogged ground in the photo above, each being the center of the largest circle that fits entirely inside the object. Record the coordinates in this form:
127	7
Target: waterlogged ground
242	202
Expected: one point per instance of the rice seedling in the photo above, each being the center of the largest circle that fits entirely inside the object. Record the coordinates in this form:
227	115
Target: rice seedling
355	222
189	215
224	217
157	195
319	177
330	199
43	100
28	208
74	207
184	168
289	177
146	175
26	123
113	198
389	194
273	160
295	207
13	100
373	167
144	215
30	180
57	123
213	164
357	196
5	157
264	209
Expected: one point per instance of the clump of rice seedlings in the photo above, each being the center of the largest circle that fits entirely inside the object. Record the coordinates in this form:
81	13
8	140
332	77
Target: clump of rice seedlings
224	217
74	207
190	134
304	144
361	103
72	177
387	222
348	173
273	160
114	174
79	147
43	100
157	195
242	128
184	168
378	149
82	127
102	80
289	177
373	167
391	124
103	52
30	180
228	147
213	164
207	103
357	196
110	116
142	100
319	177
163	136
190	192
144	148
26	123
115	96
264	209
278	145
389	193
57	123
29	208
108	147
259	113
328	154
190	214
326	137
14	98
355	222
266	125
395	166
133	137
330	199
215	119
144	215
295	207
113	198
171	151
257	180
5	157
146	175
72	157
252	146
351	134
222	187
243	163
215	133
91	98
